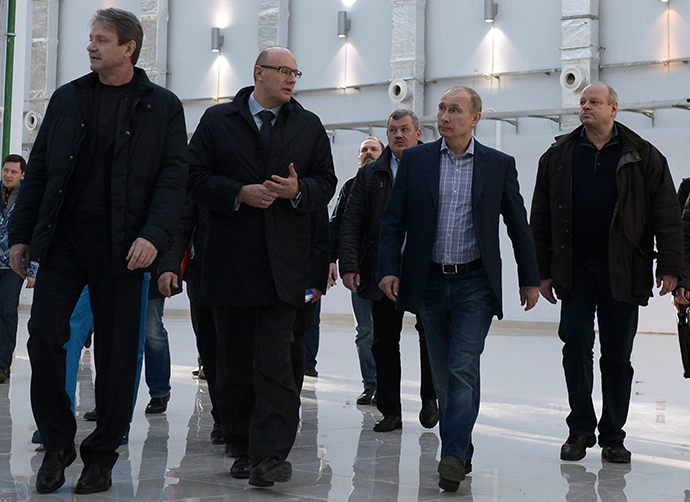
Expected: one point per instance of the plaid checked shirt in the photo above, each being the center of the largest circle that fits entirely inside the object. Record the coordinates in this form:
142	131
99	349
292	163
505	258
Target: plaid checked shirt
456	241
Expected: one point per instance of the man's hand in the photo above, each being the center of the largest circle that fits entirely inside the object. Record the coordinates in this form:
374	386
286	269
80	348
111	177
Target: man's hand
351	281
332	275
681	297
286	188
256	196
317	295
529	297
30	282
141	254
17	252
389	285
167	282
667	283
546	290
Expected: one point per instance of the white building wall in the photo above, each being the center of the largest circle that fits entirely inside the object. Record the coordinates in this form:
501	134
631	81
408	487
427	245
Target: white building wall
522	48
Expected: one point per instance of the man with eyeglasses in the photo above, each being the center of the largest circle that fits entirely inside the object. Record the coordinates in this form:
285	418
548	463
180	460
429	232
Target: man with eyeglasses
261	165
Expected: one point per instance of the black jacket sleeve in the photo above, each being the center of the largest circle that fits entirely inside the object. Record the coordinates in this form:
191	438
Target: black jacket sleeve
337	218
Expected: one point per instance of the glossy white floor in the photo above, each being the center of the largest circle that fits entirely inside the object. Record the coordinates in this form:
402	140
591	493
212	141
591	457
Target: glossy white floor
338	457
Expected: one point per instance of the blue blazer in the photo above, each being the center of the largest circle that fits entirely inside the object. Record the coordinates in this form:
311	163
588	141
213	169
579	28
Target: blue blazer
408	226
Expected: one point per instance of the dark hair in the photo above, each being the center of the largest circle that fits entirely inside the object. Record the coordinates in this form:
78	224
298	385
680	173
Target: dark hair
404	112
125	24
13	157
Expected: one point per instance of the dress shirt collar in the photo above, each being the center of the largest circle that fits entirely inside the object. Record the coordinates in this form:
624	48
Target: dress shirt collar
469	151
255	108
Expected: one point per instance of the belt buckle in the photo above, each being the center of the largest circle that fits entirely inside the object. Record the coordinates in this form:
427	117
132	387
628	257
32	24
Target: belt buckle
449	268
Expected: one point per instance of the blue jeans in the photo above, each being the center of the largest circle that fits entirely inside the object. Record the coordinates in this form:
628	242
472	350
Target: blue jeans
157	350
10	288
80	323
456	311
364	340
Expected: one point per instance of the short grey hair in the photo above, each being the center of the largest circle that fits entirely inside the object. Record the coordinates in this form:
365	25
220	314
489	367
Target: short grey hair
404	112
126	26
475	99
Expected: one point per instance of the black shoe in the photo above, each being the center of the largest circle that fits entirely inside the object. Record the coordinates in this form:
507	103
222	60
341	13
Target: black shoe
576	445
94	478
51	474
428	416
270	470
201	374
91	416
451	472
311	372
468	466
217	434
366	397
157	405
388	423
241	467
4	374
615	452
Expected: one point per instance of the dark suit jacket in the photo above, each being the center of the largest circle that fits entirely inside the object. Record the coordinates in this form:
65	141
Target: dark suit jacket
253	255
412	214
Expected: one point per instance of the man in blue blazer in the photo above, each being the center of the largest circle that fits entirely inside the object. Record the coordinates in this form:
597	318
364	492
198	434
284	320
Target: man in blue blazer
439	256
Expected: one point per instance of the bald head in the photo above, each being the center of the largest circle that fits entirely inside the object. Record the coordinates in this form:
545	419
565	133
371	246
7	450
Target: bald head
274	76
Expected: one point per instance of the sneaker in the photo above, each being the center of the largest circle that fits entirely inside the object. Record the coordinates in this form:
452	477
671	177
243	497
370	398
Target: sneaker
615	452
36	437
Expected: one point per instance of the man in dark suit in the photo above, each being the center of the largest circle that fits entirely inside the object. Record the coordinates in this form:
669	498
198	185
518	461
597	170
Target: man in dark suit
445	207
260	165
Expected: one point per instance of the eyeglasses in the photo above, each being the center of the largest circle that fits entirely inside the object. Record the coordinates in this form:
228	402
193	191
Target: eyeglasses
285	70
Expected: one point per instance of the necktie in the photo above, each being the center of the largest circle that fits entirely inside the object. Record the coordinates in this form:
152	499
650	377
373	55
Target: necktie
266	117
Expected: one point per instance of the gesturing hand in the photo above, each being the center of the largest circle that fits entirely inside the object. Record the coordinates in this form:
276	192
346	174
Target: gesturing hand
286	188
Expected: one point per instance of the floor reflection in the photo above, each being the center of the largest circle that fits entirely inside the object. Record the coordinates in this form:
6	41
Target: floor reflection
338	457
584	486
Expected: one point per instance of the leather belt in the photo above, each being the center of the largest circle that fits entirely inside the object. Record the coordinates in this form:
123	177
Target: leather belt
457	268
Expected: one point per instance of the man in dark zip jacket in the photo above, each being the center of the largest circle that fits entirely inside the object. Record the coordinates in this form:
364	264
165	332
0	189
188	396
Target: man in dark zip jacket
359	246
100	201
603	198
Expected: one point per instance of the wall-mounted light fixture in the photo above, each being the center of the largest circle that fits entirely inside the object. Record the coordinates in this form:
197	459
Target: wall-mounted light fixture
490	10
343	24
664	1
217	40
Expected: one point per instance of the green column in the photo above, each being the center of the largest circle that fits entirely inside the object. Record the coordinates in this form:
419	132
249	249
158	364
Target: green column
9	77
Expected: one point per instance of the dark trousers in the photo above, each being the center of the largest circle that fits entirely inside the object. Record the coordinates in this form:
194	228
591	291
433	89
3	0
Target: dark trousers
260	408
10	288
590	292
205	331
386	349
80	255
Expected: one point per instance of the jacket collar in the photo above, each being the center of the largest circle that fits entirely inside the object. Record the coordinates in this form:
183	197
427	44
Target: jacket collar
629	139
142	85
241	102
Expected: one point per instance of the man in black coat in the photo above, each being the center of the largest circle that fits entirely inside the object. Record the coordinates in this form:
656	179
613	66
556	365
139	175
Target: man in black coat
100	201
260	165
